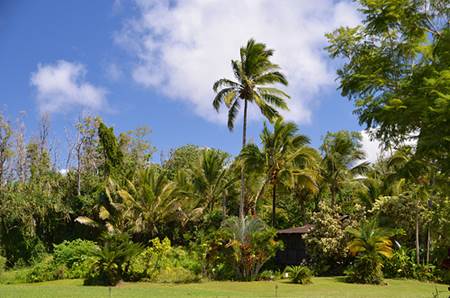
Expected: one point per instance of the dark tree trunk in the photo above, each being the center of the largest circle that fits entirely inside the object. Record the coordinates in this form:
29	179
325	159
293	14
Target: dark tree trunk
79	172
274	202
333	196
244	141
417	240
428	243
224	206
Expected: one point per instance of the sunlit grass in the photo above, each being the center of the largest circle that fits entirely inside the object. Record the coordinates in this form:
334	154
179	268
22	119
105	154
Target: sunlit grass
321	287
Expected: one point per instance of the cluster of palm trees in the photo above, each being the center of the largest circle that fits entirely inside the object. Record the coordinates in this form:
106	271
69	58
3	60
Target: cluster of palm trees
253	73
285	156
284	161
150	200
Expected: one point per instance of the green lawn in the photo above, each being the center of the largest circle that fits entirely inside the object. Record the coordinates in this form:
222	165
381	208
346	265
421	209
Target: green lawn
322	287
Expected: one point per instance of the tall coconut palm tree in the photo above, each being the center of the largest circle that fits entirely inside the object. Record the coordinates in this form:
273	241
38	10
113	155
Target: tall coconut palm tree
342	160
284	153
254	74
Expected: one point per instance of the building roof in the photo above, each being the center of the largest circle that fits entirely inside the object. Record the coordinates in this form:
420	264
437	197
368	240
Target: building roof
297	230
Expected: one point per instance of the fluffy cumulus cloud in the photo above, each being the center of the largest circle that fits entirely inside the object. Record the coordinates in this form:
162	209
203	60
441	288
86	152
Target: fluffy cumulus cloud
182	47
372	147
62	86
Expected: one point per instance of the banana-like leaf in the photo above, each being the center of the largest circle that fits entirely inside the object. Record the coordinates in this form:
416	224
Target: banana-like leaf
87	221
126	197
104	213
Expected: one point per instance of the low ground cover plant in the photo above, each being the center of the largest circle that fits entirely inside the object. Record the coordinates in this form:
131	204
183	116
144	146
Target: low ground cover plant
299	274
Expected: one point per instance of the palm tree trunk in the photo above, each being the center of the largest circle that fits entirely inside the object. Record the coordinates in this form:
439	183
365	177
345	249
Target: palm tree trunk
274	198
244	140
333	197
224	206
428	244
79	174
417	240
260	192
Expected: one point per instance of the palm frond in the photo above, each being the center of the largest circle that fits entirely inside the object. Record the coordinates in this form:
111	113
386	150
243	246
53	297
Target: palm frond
225	83
271	78
274	100
87	221
219	98
232	114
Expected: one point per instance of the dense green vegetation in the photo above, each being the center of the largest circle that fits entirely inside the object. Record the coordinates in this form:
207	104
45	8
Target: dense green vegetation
113	215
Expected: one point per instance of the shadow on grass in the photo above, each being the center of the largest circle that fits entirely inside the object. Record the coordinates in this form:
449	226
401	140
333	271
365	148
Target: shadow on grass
340	279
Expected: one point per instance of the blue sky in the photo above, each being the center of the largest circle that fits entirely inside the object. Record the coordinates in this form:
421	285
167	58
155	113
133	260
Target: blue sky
152	63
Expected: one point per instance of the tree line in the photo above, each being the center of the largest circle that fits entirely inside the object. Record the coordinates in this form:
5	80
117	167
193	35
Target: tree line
393	212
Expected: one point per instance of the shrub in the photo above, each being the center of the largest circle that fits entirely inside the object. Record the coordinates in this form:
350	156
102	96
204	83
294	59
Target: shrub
72	252
71	259
77	256
161	258
113	260
326	244
151	260
443	275
245	244
370	245
425	272
365	270
401	264
177	275
299	274
268	275
45	270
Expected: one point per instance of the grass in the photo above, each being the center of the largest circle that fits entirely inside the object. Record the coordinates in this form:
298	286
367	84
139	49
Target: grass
321	287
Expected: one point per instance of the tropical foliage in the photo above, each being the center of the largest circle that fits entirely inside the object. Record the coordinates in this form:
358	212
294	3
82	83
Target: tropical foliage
109	212
369	244
299	274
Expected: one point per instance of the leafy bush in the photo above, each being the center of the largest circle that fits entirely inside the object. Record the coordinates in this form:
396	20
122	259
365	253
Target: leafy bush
326	244
370	244
425	272
77	256
177	275
45	270
161	258
443	275
299	274
401	264
365	270
268	275
151	260
113	260
71	259
245	244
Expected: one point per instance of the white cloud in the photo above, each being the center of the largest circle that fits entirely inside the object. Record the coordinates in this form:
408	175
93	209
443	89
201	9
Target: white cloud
62	85
182	47
372	147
